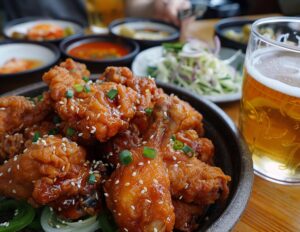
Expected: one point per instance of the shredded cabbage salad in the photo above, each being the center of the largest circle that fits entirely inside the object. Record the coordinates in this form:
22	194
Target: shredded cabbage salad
196	67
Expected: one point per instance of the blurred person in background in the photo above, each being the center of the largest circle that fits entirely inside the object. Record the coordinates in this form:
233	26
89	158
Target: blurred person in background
166	10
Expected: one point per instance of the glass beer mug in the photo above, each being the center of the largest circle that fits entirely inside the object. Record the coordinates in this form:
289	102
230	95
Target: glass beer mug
100	13
270	106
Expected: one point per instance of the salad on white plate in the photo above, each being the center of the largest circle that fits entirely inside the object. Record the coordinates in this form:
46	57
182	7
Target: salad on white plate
212	73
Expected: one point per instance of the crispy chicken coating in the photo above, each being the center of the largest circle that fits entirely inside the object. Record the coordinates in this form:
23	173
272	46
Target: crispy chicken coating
64	76
202	147
195	185
10	145
94	110
53	171
138	194
147	92
192	179
17	112
146	88
187	215
14	144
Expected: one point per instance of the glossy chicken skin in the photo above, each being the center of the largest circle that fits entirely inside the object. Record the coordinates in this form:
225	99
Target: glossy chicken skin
138	194
17	112
13	144
192	178
53	171
187	215
146	88
92	113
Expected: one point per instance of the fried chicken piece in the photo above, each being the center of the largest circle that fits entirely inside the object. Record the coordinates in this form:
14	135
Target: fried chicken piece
17	112
147	92
64	76
146	88
53	171
138	194
191	180
13	144
187	215
202	147
91	108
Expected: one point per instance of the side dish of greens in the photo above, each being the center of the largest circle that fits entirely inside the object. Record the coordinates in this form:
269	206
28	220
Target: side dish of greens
196	67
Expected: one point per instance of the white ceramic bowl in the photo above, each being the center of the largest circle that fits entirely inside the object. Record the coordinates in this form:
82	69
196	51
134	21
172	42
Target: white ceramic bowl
48	54
139	23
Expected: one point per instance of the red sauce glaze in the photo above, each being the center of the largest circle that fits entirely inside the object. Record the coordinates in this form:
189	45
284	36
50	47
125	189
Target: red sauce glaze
99	51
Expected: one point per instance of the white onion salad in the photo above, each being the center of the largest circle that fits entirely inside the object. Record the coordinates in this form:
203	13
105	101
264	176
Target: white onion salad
51	223
195	66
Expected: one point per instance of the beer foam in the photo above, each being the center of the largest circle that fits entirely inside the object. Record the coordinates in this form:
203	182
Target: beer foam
276	69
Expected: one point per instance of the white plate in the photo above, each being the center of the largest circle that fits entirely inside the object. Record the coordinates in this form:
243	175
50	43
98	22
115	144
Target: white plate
144	58
23	27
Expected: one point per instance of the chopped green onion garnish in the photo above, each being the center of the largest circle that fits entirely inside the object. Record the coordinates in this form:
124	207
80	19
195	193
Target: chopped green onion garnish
36	136
92	179
69	93
87	88
70	132
178	145
78	88
188	150
56	119
40	98
149	152
152	71
73	70
53	131
148	111
112	94
173	137
126	157
86	79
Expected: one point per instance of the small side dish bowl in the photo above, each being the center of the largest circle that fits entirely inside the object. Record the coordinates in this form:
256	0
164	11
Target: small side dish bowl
14	75
99	51
230	30
18	29
147	32
231	155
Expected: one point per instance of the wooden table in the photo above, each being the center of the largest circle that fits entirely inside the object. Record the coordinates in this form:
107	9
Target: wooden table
272	207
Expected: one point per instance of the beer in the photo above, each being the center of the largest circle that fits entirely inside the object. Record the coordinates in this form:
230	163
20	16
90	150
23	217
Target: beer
270	113
101	13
